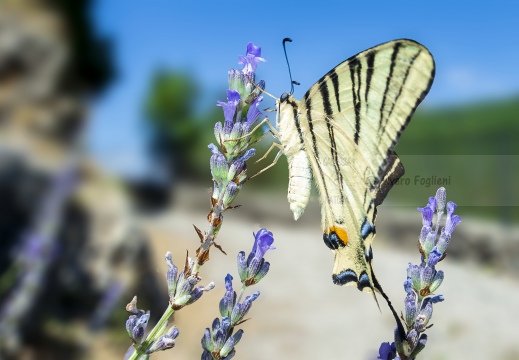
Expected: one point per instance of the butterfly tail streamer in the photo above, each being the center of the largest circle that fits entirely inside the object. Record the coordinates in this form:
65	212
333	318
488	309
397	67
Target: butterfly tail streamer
378	287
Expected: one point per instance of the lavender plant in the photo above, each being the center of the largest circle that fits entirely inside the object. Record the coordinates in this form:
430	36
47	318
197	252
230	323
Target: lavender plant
219	342
229	172
422	281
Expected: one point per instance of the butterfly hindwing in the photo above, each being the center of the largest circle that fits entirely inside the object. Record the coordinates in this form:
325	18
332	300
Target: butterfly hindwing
349	122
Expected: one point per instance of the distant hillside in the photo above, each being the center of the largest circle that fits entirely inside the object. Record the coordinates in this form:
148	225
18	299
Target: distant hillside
488	128
473	148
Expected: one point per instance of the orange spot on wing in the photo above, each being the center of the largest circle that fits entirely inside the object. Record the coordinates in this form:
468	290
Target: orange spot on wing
340	232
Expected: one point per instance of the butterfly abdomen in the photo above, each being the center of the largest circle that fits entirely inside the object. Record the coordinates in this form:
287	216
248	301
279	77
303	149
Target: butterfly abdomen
299	169
299	183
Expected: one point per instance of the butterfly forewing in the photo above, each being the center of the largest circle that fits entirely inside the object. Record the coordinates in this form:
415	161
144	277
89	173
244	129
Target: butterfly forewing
347	124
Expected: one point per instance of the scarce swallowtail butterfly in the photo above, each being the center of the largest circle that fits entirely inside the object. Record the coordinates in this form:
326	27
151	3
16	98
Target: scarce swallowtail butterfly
342	135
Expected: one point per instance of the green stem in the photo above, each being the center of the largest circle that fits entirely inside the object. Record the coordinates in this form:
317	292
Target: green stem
153	335
241	292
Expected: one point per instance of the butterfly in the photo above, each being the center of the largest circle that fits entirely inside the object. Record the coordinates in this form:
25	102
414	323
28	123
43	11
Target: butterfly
341	135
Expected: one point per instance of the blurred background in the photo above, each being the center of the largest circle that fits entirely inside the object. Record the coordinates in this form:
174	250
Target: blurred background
106	111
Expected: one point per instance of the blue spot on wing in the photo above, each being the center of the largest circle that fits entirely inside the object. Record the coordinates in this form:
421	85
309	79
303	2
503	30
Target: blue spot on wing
344	277
363	281
366	228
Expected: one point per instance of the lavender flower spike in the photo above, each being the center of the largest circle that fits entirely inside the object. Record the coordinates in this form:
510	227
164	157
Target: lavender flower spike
423	280
219	341
229	172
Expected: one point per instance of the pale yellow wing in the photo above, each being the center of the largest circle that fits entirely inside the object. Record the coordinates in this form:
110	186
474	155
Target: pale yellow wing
350	121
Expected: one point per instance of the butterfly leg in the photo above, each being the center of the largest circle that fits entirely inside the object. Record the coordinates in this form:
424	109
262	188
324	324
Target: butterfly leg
273	162
272	130
274	145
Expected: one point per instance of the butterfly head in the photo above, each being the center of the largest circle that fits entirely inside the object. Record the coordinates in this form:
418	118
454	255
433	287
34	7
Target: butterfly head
284	97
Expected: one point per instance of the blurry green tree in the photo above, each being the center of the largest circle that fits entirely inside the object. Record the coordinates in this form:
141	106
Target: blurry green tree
170	114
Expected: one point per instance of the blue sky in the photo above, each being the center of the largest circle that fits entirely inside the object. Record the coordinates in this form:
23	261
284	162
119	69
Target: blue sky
474	45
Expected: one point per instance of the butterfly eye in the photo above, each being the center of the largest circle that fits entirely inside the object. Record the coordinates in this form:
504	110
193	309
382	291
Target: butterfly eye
284	97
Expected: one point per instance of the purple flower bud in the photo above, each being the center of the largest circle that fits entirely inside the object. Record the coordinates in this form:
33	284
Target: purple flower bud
219	339
219	167
423	234
218	132
410	308
206	355
427	276
414	272
254	266
171	274
251	59
139	328
241	309
185	285
230	343
248	154
236	131
213	148
263	242
253	50
451	207
207	343
387	351
412	339
427	216
429	242
173	332
408	285
229	107
230	193
436	299
441	197
236	168
443	241
130	324
434	257
225	324
162	343
198	292
262	272
424	316
242	266
216	325
451	223
436	281
221	334
237	80
253	113
229	298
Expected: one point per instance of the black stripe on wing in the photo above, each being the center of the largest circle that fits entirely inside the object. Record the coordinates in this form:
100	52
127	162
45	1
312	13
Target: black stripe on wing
323	88
388	81
370	60
308	106
355	66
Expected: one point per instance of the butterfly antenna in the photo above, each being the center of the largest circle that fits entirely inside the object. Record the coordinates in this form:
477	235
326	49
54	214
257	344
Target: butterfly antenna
292	82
